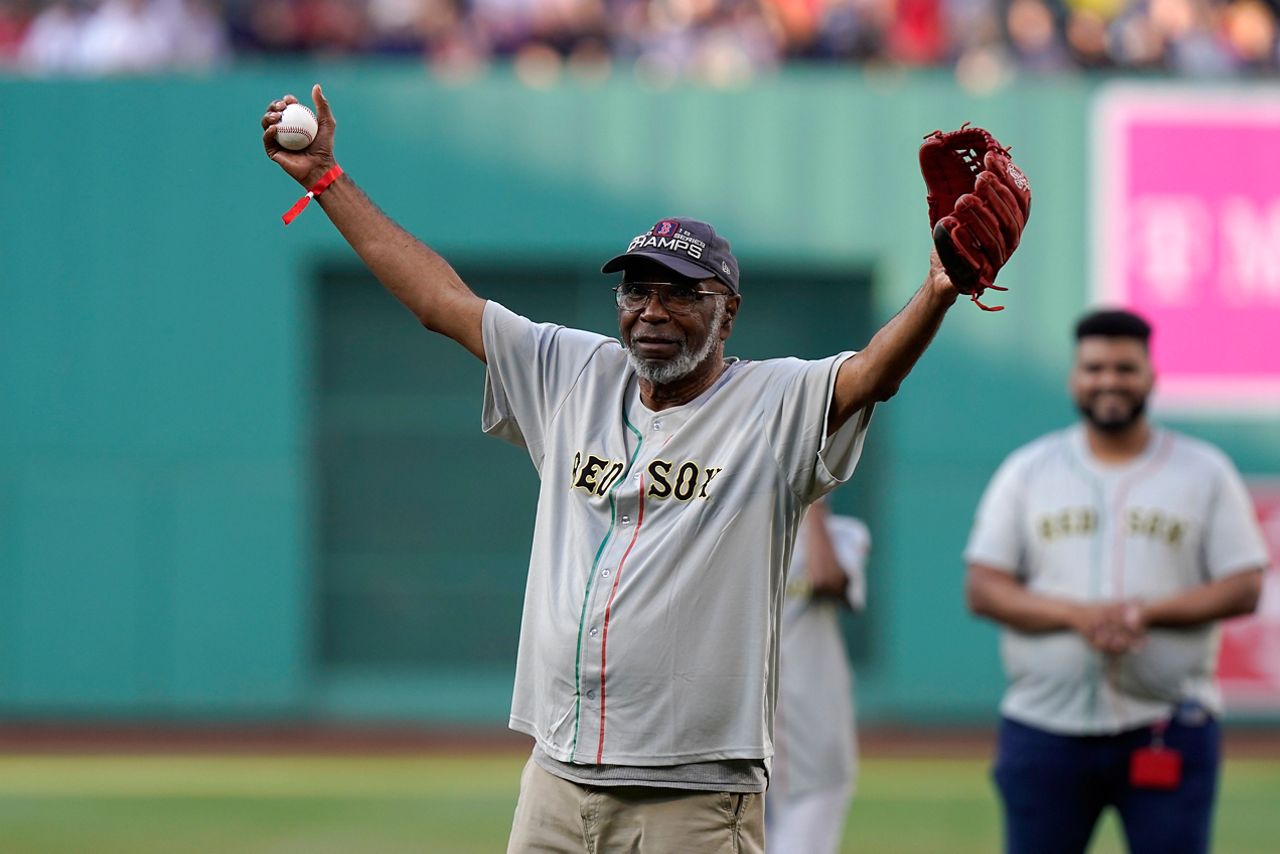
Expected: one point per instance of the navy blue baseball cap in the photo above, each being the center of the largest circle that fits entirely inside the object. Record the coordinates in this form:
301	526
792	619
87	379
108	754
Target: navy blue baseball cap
690	247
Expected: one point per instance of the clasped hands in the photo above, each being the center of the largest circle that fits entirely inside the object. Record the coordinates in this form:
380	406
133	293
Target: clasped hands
1112	627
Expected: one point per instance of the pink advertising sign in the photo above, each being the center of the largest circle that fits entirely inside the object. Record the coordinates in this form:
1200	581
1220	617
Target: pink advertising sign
1249	662
1186	222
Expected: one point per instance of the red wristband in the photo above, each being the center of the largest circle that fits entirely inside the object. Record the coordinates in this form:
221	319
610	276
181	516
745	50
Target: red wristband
320	186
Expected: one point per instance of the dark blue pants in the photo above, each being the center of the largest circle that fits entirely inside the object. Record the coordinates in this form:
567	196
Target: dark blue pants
1055	787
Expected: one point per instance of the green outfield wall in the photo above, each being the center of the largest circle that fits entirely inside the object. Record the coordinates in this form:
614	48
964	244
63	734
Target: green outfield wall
238	483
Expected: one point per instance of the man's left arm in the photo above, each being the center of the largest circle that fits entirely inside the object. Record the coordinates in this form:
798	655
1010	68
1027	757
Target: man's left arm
1235	559
875	373
1233	596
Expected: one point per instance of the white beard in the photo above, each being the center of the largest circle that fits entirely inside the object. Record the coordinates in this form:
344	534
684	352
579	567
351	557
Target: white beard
664	372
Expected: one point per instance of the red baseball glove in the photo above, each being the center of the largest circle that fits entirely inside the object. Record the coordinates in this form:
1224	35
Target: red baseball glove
979	202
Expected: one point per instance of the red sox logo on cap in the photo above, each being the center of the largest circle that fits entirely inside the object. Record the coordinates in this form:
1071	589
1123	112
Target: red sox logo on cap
665	227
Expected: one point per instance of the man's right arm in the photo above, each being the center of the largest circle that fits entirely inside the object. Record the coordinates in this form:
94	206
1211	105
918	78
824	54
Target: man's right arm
1000	596
413	273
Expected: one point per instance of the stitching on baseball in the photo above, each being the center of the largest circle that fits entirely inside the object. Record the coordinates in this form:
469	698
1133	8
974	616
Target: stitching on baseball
293	129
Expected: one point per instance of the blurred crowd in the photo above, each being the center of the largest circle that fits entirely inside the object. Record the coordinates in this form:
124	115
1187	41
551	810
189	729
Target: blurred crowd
722	41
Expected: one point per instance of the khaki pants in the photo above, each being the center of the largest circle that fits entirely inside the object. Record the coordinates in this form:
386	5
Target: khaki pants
556	815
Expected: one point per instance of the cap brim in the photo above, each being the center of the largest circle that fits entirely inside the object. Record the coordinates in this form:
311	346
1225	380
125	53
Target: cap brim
678	265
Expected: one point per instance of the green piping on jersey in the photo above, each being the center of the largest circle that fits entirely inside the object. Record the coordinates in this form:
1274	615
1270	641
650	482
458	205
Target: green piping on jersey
586	594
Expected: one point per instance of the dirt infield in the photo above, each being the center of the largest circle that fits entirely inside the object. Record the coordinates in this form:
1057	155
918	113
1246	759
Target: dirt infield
46	738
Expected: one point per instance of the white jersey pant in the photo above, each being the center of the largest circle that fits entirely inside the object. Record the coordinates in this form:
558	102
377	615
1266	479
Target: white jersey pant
810	824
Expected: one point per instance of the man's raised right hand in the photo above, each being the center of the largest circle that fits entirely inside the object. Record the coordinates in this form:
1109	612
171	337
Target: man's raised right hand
311	163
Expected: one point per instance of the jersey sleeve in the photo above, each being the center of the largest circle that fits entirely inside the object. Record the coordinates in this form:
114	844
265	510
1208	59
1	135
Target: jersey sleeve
996	539
852	541
529	370
1233	540
813	462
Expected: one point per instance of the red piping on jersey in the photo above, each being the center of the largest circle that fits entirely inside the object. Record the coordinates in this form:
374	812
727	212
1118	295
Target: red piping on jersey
586	595
604	633
1122	495
1117	537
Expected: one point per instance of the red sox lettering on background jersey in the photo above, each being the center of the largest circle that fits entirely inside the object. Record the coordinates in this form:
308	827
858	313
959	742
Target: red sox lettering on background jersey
650	626
1176	517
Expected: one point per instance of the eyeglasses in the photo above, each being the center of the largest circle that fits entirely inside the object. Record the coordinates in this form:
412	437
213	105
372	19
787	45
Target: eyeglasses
677	299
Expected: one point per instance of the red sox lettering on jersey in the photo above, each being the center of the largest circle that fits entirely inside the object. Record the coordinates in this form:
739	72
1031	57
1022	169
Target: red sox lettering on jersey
1154	523
661	542
683	481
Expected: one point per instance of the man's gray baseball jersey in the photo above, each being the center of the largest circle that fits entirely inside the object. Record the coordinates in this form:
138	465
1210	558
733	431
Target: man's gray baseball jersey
649	634
815	725
1176	517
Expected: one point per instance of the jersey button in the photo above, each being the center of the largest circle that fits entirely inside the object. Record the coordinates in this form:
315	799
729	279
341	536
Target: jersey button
594	632
604	573
591	695
657	425
626	520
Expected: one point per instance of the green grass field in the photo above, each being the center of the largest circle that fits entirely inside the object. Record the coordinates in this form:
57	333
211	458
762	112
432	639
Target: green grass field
323	804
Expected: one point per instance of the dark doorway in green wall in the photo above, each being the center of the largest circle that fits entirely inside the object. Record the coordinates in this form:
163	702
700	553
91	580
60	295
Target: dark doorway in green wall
422	524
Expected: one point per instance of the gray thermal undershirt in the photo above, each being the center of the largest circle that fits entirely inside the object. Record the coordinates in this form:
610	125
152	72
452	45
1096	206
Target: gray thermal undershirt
727	775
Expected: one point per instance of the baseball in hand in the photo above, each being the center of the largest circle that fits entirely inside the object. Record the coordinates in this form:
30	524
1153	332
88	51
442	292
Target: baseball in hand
297	127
